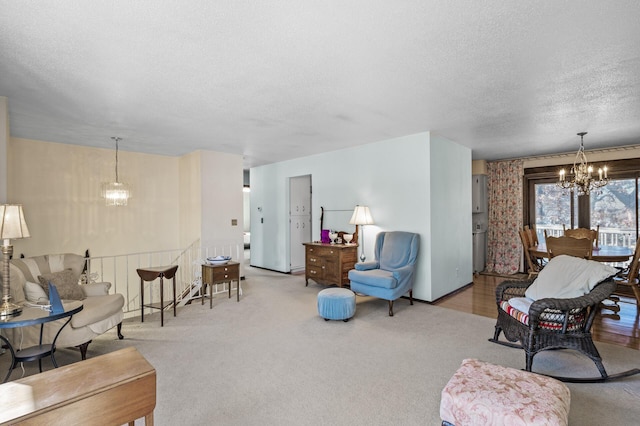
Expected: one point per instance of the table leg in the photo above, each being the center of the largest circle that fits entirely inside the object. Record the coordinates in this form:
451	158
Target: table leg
238	291
13	358
210	296
161	301
141	300
174	295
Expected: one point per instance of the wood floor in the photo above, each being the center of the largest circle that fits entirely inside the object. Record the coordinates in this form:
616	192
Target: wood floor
621	328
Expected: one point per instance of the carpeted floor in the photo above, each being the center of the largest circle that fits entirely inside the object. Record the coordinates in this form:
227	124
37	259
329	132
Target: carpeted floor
270	359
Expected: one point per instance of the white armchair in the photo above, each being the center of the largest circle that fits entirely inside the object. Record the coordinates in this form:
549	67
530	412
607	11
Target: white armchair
101	310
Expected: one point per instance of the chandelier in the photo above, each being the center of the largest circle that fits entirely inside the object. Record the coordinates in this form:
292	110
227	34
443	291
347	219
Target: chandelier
116	193
582	179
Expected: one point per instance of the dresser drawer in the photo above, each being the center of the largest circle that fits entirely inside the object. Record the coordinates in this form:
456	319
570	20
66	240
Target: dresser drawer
224	273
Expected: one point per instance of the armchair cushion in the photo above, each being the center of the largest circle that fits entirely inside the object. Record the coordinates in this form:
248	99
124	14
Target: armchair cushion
374	277
97	308
66	281
34	293
565	277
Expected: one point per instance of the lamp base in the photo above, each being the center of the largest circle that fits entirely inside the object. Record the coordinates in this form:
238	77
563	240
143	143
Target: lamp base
8	309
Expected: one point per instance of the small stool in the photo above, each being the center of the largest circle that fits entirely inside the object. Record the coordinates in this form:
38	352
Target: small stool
480	393
336	303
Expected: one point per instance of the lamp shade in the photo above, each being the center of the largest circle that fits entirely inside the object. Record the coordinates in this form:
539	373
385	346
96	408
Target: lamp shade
12	223
361	216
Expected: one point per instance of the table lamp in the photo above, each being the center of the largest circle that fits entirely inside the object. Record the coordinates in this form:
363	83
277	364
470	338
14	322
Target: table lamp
361	216
12	226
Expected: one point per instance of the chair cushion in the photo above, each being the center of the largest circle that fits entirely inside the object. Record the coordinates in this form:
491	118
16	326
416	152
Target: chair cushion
550	319
374	277
65	281
97	308
566	277
34	292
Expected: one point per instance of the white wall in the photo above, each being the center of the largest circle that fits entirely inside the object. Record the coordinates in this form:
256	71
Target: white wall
452	264
393	178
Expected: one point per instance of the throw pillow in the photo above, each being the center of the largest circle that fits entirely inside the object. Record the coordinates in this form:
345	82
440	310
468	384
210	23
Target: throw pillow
65	281
34	293
565	277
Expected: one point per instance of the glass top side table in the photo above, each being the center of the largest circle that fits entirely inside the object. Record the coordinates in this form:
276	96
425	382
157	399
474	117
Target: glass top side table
37	316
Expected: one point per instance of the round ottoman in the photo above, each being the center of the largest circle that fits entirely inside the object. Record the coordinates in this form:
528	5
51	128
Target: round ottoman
336	304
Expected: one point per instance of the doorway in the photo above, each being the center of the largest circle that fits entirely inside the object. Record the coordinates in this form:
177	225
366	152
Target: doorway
299	219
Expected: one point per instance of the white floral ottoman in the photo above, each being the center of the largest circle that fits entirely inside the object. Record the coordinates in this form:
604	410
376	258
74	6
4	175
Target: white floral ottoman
480	393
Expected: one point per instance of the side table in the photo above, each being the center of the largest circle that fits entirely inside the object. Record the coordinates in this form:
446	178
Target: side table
218	274
37	316
150	274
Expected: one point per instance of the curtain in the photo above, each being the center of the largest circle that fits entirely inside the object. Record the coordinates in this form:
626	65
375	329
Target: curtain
504	186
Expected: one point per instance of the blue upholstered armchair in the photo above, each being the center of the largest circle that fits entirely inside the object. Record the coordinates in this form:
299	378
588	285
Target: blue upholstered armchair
391	274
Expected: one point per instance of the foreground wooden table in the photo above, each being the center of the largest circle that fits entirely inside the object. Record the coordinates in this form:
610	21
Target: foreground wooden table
111	389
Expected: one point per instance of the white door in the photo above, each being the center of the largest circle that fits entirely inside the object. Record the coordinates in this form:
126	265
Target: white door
299	219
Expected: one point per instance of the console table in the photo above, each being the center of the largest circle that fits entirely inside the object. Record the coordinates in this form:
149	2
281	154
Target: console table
219	274
150	274
112	389
329	263
37	316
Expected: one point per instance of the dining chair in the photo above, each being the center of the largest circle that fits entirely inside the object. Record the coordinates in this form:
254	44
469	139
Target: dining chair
592	234
577	247
533	264
533	234
629	277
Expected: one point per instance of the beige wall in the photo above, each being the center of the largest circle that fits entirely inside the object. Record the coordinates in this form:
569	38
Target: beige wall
222	182
4	142
190	199
59	186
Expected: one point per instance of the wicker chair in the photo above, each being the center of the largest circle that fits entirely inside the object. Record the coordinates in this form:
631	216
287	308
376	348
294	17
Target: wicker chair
552	324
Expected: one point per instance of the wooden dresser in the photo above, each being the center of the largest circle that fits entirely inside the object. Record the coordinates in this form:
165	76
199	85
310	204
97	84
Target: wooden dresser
329	263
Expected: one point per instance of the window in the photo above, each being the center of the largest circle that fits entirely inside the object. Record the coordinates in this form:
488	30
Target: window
614	208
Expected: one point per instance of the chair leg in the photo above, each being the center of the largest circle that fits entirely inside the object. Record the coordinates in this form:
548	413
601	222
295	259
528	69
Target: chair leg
83	350
411	297
119	331
390	308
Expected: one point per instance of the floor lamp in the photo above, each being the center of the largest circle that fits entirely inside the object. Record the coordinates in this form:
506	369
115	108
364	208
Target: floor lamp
12	226
361	216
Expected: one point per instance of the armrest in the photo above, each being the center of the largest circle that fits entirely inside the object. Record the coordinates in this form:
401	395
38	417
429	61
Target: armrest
508	289
365	266
96	289
593	298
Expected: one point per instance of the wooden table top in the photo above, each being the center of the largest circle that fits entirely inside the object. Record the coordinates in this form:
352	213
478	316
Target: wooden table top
600	254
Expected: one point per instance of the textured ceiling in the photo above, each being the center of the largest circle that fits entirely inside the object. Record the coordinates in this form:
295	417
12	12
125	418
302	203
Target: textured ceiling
283	79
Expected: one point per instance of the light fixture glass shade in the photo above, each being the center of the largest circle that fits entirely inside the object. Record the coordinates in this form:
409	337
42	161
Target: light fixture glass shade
361	216
12	223
116	193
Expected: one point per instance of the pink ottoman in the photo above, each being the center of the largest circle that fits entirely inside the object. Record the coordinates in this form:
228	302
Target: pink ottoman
480	393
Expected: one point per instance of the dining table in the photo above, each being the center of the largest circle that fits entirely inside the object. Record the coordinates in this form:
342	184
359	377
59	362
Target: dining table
600	253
